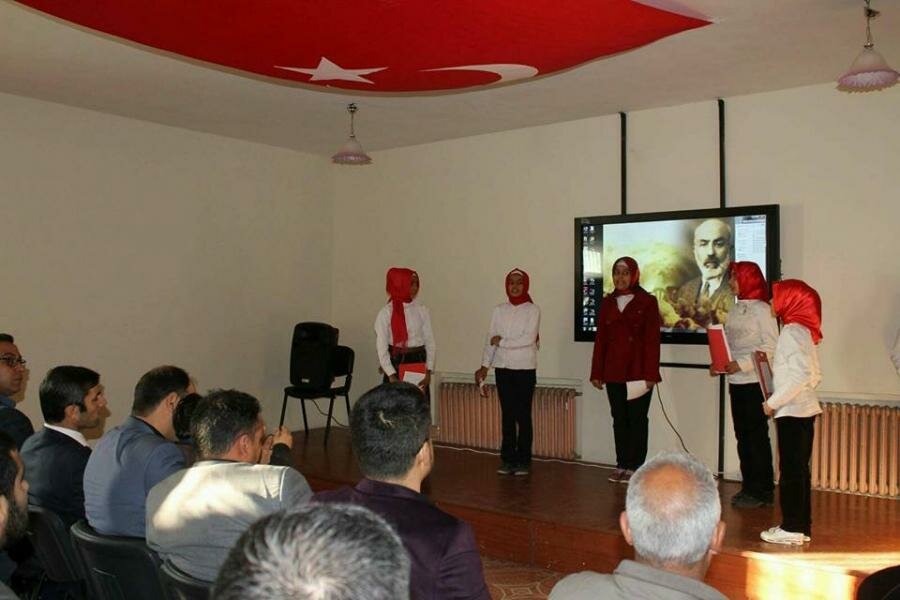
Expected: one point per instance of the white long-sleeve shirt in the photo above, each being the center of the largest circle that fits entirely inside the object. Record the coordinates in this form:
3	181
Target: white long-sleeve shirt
750	327
518	328
418	329
795	374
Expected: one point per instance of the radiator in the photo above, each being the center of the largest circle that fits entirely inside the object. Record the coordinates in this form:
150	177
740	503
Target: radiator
857	449
465	418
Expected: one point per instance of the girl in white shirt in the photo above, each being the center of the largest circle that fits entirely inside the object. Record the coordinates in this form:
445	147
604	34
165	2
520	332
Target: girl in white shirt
512	351
403	332
750	327
794	404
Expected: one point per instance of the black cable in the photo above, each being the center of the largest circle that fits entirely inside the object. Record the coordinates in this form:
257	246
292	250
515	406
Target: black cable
669	421
324	414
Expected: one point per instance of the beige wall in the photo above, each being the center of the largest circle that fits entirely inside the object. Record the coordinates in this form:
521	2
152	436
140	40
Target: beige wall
463	212
128	244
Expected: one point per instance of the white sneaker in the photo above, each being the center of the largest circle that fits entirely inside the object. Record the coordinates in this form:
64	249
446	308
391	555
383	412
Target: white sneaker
777	535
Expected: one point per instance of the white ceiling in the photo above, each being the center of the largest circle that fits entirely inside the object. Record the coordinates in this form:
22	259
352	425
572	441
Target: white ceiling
753	46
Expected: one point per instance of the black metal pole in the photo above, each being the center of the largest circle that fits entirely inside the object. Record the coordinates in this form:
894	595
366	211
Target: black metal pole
721	464
623	150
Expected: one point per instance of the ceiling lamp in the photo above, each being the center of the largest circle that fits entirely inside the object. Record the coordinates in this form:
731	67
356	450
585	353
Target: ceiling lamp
351	153
869	71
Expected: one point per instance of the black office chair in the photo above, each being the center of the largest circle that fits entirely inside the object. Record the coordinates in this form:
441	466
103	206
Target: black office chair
117	568
181	586
54	549
340	365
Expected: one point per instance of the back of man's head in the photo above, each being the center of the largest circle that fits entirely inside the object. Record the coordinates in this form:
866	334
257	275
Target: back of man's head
319	552
63	386
673	510
155	385
15	521
388	426
220	419
8	338
184	412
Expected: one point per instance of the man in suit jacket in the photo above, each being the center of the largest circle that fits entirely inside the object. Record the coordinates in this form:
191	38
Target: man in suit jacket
672	518
195	516
390	427
12	376
72	400
133	457
706	299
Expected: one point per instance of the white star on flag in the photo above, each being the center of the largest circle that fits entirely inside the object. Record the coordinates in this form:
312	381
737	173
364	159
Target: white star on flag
328	71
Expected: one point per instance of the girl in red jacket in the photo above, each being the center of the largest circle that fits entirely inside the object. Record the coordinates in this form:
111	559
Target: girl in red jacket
626	358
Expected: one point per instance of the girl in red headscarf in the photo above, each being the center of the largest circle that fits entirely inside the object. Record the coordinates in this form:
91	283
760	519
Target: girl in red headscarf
512	351
403	332
626	356
750	327
793	403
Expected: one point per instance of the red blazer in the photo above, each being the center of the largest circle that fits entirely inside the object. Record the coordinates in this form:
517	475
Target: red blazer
627	344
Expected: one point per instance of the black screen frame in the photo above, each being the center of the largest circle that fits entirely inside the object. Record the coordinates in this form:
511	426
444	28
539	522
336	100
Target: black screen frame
773	255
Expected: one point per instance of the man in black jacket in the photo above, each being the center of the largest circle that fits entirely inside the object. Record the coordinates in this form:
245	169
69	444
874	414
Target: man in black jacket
72	400
12	378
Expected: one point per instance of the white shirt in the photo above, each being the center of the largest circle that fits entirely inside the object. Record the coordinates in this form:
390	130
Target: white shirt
623	300
795	374
75	435
418	329
750	327
518	328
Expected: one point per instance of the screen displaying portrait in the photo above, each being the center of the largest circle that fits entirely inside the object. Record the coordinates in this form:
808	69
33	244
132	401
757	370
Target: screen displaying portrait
684	260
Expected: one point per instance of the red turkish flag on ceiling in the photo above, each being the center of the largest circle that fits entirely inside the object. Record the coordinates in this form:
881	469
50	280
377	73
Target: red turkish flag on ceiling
383	45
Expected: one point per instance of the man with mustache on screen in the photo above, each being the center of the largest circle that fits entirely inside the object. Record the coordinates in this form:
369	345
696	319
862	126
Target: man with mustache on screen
707	298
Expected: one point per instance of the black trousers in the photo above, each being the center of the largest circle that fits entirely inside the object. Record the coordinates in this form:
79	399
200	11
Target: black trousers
795	444
751	428
630	424
516	390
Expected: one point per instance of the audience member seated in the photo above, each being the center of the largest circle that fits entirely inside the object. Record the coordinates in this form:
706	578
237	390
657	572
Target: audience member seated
195	516
390	427
333	551
133	457
12	377
72	400
671	518
181	421
13	500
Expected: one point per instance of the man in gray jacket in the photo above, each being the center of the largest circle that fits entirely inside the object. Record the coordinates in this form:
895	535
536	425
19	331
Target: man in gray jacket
672	518
196	515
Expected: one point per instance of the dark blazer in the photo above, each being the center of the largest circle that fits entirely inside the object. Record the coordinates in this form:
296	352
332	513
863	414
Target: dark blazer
627	344
445	560
13	422
54	468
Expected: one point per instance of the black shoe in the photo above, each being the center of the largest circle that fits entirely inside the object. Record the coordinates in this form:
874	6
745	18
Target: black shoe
521	470
738	497
506	469
747	501
767	498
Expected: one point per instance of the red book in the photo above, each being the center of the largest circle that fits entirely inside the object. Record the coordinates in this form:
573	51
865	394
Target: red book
412	372
719	352
763	372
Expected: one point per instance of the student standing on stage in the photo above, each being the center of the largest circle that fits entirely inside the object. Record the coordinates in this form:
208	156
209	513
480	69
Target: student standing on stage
626	349
750	327
403	328
794	404
512	351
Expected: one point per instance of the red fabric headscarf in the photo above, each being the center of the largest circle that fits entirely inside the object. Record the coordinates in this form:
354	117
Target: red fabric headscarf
526	283
635	276
796	302
399	284
750	281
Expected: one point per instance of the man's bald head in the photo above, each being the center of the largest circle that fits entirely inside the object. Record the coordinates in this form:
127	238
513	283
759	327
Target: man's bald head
672	510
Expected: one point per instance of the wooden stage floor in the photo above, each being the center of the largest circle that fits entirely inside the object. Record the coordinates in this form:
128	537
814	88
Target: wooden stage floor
564	517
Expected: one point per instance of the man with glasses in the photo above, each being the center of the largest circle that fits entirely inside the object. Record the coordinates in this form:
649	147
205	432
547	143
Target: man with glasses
390	432
12	377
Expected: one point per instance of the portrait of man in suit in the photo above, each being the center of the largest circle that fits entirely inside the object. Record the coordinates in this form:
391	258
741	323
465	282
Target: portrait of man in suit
707	298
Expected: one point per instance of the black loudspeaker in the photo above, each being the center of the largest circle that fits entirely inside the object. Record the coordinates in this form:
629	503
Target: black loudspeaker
311	353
